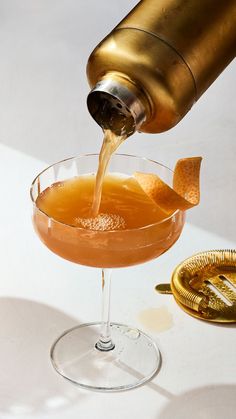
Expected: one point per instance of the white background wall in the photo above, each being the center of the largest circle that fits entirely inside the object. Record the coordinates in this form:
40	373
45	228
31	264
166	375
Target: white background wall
43	88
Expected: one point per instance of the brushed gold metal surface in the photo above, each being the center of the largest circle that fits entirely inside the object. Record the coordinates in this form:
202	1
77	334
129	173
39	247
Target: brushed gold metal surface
171	51
203	32
204	285
163	288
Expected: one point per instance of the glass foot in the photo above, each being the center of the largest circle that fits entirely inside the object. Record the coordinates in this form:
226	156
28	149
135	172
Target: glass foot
133	361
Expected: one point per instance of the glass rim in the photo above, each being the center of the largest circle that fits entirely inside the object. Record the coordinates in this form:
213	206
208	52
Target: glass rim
93	230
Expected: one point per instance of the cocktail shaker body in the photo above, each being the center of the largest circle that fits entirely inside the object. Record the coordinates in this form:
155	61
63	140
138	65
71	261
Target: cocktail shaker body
158	61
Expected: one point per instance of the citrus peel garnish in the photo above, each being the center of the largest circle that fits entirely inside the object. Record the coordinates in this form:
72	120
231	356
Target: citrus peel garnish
185	192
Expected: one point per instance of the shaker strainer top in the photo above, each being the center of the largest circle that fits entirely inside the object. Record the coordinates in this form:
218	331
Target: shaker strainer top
115	107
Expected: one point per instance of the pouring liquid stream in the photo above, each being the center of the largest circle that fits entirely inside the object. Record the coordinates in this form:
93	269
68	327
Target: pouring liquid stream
110	144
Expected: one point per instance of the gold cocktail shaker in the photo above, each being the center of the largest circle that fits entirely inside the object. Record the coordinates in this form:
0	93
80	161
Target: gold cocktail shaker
148	72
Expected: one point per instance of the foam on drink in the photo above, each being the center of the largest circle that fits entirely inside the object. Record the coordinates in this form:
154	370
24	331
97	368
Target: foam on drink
102	222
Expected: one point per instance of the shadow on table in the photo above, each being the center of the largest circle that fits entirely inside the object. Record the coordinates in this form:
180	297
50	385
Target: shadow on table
210	402
28	382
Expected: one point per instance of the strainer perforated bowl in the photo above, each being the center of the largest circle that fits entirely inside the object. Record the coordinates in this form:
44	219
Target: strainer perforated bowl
204	285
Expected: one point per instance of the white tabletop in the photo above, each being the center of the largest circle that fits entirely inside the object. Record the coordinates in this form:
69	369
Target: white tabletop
43	118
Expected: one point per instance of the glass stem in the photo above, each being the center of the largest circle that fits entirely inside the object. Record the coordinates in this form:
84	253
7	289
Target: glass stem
105	343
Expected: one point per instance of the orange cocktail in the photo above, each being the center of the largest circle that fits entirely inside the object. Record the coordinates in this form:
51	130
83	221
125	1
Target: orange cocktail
129	229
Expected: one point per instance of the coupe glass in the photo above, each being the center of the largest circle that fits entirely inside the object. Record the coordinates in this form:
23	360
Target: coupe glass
103	355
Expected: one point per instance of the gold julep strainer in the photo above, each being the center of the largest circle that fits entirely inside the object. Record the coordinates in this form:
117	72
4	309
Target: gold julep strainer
204	286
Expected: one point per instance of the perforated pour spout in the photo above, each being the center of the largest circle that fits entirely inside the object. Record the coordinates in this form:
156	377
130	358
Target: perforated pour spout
115	107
